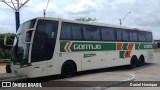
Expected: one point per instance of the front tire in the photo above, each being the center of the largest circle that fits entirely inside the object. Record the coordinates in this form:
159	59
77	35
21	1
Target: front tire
68	69
8	69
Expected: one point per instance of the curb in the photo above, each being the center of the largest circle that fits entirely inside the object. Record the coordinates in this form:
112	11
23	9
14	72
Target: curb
102	87
10	77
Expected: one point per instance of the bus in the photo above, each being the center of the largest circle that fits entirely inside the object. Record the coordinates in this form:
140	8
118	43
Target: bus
47	46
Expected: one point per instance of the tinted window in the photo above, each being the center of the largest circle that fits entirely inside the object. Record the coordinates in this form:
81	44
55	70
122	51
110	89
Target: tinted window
108	34
91	33
26	25
71	31
44	40
28	36
125	34
133	36
66	31
119	35
149	36
77	32
142	36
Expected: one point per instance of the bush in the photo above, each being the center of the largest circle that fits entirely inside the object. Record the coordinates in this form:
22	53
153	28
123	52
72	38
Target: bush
5	51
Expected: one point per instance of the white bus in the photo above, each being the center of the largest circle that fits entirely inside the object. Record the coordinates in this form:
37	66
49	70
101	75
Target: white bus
50	46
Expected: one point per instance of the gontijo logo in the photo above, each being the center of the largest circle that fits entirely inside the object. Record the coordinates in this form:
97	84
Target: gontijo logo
86	46
69	47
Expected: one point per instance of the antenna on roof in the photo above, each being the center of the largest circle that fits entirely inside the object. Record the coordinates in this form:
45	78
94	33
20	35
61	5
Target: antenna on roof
44	10
121	20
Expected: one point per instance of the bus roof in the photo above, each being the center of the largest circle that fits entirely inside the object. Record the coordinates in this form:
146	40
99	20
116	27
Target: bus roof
90	23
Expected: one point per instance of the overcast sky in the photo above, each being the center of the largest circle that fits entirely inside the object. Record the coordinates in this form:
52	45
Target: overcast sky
144	14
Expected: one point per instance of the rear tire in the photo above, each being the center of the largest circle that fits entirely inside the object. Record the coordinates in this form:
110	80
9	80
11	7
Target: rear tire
68	69
141	60
133	63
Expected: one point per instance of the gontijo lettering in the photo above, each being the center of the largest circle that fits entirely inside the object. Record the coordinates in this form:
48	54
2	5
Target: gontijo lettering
87	46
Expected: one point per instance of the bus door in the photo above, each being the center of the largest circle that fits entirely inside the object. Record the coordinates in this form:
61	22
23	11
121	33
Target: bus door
43	48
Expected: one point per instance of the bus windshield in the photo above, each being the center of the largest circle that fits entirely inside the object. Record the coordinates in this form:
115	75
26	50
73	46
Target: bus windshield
20	50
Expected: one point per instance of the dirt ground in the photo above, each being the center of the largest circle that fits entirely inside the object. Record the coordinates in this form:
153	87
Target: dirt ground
2	68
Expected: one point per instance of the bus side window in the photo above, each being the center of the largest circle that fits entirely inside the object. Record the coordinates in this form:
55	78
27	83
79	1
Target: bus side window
28	36
149	36
77	32
142	36
108	34
133	36
71	31
66	33
119	34
125	35
91	33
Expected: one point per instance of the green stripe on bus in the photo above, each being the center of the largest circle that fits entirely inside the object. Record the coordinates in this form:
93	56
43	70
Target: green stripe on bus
121	55
70	46
83	46
137	46
86	46
143	46
62	45
125	46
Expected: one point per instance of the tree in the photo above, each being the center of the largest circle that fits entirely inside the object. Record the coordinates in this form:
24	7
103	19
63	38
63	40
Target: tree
86	19
5	51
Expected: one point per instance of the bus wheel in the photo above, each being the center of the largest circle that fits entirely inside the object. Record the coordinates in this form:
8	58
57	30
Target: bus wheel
133	62
141	60
68	69
8	69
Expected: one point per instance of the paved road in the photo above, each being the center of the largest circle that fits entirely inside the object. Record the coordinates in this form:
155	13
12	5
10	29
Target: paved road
148	72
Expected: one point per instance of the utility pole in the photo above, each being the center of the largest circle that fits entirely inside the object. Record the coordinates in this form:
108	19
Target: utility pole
121	20
16	5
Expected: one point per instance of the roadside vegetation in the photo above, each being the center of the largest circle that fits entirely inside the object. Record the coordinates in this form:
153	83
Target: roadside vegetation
5	51
156	48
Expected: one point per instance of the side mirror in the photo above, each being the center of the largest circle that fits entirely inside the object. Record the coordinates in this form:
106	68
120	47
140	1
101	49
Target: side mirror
28	36
9	39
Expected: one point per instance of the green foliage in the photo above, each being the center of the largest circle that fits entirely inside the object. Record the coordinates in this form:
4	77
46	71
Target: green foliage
5	51
155	46
86	19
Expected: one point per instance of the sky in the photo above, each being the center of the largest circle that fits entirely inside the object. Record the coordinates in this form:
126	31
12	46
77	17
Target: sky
145	14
